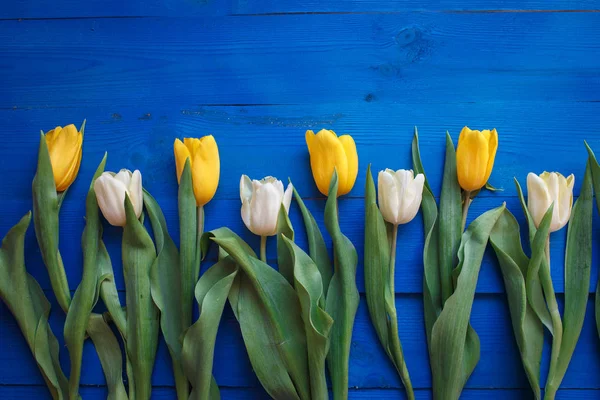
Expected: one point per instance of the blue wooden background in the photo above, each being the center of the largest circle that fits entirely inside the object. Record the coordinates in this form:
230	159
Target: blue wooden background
257	74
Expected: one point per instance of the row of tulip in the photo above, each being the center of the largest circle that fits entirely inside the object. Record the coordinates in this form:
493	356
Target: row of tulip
309	303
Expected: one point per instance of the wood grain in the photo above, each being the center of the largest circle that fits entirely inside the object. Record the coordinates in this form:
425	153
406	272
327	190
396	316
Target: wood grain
298	59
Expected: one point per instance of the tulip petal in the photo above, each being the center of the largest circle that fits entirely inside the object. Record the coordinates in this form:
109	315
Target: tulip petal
326	153
538	198
110	193
492	148
64	147
181	154
245	188
287	197
387	196
205	168
265	204
472	159
411	209
135	192
352	158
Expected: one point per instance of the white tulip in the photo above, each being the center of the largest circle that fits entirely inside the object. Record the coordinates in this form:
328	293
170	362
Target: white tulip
399	195
111	190
548	188
261	201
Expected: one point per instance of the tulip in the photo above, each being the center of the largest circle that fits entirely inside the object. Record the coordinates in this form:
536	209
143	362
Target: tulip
475	157
203	154
399	195
261	201
548	188
64	147
111	190
329	152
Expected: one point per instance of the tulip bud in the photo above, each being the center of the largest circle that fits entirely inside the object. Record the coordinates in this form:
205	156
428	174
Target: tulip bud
399	195
261	201
204	161
327	151
548	188
475	156
111	190
64	147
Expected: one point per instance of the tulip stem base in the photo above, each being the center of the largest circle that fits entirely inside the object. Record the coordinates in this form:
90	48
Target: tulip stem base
465	210
263	249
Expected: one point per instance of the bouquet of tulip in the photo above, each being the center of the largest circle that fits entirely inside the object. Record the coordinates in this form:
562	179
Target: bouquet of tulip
452	257
528	282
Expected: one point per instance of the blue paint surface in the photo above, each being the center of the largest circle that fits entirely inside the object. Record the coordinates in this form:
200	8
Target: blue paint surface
257	74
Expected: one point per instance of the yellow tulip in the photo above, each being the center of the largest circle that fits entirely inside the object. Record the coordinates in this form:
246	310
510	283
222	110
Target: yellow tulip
327	151
204	161
64	147
475	157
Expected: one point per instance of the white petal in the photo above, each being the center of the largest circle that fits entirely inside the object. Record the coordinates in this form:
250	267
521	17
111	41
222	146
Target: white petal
412	208
538	198
110	194
287	197
124	176
265	204
136	194
246	215
245	188
387	196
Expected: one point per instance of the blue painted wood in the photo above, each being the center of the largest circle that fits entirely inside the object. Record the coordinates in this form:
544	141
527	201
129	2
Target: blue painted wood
284	59
257	75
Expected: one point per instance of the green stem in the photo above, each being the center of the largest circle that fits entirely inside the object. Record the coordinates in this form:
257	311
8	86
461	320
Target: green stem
465	210
398	354
263	249
557	326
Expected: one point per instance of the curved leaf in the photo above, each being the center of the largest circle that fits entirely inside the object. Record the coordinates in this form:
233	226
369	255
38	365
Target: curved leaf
595	169
142	315
86	294
45	217
28	304
449	335
317	323
528	329
269	314
342	296
578	261
284	261
199	342
316	244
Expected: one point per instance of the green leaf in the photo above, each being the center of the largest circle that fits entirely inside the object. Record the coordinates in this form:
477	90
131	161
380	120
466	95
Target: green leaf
284	258
378	275
578	260
108	290
109	353
165	282
451	359
342	296
30	307
86	294
268	311
432	297
189	234
535	295
529	332
142	315
450	220
199	342
316	244
317	323
595	168
491	188
45	218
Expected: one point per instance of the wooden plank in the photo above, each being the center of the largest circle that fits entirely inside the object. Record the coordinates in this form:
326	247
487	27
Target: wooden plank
283	59
92	392
269	140
369	367
46	9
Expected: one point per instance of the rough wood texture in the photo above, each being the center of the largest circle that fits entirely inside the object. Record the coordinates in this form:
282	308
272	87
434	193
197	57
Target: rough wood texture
257	74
